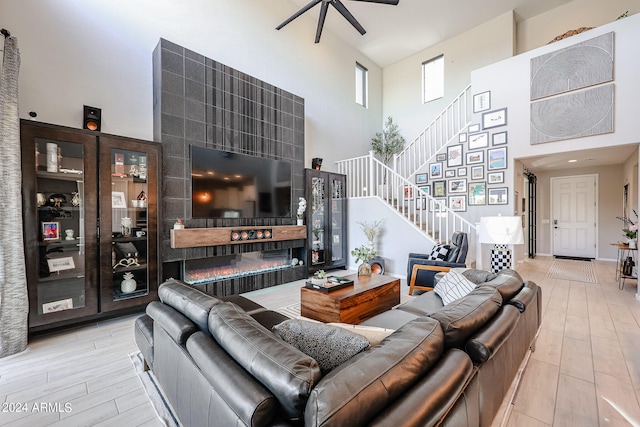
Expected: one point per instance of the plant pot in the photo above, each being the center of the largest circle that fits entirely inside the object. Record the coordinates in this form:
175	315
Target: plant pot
316	281
364	269
300	221
632	243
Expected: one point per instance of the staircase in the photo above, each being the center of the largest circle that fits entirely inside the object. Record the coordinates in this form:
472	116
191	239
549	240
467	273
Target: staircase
368	177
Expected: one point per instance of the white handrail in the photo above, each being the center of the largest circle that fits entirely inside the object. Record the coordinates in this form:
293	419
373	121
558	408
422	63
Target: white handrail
369	177
448	125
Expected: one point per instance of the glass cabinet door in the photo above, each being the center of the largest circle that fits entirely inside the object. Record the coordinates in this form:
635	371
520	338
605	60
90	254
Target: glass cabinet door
60	228
337	217
128	221
318	202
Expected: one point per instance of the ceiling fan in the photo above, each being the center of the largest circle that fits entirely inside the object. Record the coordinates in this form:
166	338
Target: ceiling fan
337	4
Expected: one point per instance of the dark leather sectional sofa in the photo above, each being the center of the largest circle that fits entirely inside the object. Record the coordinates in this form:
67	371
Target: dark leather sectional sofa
219	363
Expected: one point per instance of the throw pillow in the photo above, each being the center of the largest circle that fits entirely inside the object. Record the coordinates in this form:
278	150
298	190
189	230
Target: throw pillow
439	252
478	276
330	346
373	334
453	286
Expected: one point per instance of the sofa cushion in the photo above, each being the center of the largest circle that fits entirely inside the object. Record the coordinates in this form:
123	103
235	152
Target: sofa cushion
478	276
453	286
189	301
466	315
423	305
354	392
391	319
286	371
439	252
508	283
330	346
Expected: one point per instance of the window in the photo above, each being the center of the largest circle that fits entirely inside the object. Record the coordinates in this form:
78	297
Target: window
433	79
361	85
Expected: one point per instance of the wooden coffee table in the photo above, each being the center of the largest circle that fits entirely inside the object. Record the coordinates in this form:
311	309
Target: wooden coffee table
369	295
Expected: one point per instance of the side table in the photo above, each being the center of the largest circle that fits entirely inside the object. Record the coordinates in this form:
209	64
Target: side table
624	251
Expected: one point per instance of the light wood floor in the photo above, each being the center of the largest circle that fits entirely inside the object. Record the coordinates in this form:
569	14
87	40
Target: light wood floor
585	370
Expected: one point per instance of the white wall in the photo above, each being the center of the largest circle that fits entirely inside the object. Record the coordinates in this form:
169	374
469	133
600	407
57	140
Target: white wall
402	81
99	53
508	82
540	30
397	239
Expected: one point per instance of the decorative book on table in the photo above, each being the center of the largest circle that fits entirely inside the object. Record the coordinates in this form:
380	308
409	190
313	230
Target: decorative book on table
333	283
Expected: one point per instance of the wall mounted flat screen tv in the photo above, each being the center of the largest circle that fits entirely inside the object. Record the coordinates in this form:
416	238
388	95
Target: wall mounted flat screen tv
232	185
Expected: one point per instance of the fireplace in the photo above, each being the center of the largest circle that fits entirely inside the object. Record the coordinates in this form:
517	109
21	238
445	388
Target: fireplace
226	267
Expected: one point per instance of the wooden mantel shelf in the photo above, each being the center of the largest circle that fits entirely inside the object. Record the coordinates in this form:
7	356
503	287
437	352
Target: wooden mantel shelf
196	237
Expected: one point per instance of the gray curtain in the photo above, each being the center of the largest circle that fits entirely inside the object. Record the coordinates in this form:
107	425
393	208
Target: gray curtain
14	303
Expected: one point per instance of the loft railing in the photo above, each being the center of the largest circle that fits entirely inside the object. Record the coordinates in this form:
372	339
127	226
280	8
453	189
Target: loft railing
369	177
448	125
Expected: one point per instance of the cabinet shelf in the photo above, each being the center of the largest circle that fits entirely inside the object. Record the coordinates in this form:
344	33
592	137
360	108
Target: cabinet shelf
61	176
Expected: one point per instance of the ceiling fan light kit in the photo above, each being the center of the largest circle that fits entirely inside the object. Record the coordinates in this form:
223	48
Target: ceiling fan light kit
337	4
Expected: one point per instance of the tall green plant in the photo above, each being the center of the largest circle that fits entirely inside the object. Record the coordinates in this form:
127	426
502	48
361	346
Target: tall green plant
388	143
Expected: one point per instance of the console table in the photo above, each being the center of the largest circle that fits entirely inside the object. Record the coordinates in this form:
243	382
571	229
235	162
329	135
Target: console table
624	251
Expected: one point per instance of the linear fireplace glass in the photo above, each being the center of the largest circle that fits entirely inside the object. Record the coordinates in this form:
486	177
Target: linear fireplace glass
205	270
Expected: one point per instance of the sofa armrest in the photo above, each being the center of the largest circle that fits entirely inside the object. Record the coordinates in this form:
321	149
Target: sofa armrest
177	326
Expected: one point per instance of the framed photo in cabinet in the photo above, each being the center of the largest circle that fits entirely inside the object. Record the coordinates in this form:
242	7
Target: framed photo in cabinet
50	231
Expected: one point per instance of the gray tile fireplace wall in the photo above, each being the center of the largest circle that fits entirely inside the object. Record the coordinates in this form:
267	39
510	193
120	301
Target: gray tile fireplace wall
198	101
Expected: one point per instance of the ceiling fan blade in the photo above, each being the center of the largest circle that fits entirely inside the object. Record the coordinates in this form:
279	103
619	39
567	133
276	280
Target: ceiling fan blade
323	15
298	13
348	16
391	2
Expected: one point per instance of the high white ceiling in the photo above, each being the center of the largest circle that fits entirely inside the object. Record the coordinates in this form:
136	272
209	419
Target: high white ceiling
396	32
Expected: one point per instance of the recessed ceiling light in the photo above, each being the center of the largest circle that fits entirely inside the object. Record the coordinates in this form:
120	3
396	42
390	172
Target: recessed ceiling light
572	161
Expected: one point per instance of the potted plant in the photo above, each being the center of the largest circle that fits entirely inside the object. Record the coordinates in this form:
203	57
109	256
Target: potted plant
631	229
319	277
388	143
364	254
371	230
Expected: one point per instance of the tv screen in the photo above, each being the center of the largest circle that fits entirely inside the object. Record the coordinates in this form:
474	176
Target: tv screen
232	185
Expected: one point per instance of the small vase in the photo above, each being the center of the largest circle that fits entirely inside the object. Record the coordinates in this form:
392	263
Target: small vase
128	284
632	243
300	221
364	269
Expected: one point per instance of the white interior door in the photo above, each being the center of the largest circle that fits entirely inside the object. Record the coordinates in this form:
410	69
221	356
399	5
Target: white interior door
574	216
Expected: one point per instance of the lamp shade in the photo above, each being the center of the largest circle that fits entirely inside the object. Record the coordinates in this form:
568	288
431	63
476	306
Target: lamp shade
501	230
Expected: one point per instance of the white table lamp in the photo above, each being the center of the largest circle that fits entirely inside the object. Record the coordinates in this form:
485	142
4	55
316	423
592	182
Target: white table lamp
501	231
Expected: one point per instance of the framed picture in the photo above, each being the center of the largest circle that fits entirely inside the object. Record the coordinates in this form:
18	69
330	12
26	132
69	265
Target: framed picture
462	137
458	203
462	171
336	239
60	264
408	192
479	140
477	172
449	173
421	178
494	118
498	196
435	170
118	200
457	186
50	231
499	138
421	204
481	102
441	157
477	193
64	304
426	189
495	177
439	189
437	205
497	158
475	157
473	128
454	155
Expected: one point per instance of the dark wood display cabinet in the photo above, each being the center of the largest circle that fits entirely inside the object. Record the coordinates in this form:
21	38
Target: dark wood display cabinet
326	219
90	223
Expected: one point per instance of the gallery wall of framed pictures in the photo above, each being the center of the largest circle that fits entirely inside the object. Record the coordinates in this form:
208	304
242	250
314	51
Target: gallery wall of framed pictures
472	170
